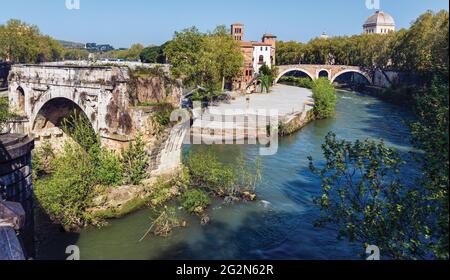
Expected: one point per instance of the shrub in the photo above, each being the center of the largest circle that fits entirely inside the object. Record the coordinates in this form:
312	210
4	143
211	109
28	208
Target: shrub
304	82
68	192
5	114
109	169
208	173
79	128
325	99
41	160
135	161
195	201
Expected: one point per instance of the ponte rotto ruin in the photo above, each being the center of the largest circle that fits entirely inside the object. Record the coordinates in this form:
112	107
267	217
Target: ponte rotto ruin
44	95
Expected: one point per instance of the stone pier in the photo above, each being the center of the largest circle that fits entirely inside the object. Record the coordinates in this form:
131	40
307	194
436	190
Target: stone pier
16	192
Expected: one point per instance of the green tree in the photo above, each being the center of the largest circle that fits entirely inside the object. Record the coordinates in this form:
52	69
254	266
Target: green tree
75	54
206	60
67	194
431	135
224	55
23	43
135	161
364	200
185	53
153	54
5	114
324	95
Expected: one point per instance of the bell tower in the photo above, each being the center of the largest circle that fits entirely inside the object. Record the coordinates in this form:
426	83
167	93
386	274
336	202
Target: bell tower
237	31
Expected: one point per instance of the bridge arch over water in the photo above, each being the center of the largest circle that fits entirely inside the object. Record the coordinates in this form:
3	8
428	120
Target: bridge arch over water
332	72
354	71
294	69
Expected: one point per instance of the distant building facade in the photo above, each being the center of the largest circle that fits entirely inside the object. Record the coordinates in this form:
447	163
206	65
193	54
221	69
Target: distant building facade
99	48
324	36
379	23
256	54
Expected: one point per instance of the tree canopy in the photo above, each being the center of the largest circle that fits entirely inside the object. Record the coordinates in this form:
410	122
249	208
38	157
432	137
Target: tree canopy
416	49
204	59
23	43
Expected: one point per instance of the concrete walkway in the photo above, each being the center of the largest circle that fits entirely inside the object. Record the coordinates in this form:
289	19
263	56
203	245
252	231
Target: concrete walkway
290	102
286	99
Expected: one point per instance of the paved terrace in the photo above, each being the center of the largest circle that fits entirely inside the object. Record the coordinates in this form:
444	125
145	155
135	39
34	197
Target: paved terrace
290	102
287	100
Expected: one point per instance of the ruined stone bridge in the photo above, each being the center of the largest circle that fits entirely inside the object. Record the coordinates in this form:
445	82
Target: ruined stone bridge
44	95
332	72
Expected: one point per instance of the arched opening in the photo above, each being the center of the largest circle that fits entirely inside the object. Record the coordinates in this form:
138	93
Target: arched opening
20	93
52	115
295	77
261	59
351	79
323	74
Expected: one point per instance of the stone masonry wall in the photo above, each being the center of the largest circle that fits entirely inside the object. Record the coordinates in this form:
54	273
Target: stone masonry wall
16	180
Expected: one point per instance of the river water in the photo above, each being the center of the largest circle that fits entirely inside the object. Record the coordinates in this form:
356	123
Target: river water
280	224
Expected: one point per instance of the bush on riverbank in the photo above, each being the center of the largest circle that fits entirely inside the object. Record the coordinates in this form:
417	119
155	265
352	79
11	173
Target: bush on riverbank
67	192
219	179
195	201
5	113
65	183
135	162
324	95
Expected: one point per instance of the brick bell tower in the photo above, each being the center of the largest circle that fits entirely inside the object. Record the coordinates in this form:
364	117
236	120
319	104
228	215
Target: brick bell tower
237	31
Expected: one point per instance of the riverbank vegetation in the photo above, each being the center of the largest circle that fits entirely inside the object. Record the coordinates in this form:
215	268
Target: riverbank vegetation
5	114
71	185
65	181
374	205
232	182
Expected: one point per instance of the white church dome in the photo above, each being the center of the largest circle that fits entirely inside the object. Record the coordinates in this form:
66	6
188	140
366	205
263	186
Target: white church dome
380	18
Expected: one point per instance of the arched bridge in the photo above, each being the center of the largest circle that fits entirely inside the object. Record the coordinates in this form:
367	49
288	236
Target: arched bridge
332	72
45	95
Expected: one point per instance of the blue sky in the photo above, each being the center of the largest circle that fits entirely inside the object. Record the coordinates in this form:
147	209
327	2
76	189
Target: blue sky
122	23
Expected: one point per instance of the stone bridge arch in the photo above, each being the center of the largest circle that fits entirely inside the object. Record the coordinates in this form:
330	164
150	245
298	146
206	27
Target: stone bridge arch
52	112
358	71
314	71
322	70
291	69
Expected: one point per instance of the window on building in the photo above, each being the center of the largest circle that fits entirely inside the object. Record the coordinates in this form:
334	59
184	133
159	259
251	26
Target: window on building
261	59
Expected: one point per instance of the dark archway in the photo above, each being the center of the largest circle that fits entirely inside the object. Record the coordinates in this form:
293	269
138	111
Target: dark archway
324	74
292	77
20	93
352	78
53	113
